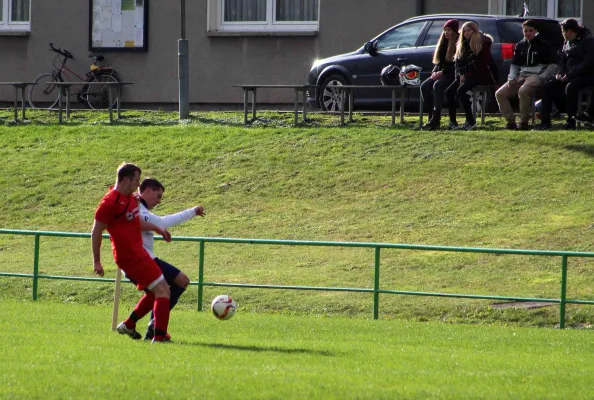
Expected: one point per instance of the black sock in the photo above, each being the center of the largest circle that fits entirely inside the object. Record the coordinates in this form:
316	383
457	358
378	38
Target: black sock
176	292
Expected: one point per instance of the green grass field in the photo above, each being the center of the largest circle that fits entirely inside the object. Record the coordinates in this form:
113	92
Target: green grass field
61	351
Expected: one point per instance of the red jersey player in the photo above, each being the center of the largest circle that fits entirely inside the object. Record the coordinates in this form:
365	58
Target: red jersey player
118	213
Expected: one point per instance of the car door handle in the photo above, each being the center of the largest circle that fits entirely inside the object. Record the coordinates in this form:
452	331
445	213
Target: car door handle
402	59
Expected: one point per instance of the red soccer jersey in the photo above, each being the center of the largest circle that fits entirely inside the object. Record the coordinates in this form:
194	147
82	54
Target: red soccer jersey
120	213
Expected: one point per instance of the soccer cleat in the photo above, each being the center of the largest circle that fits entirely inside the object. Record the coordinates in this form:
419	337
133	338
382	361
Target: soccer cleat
124	330
150	334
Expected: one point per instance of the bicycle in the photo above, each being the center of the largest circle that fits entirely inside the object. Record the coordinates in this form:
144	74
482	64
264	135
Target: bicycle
94	96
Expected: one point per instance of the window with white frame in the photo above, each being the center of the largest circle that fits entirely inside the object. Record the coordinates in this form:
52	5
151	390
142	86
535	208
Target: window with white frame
266	15
559	9
15	15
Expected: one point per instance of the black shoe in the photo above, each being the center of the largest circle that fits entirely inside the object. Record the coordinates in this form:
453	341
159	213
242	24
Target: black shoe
584	118
150	333
452	126
569	125
524	126
469	125
511	125
543	126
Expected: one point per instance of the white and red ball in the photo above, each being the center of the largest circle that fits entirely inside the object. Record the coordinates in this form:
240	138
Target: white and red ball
223	307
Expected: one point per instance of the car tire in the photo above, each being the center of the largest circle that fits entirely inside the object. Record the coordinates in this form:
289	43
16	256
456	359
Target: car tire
330	96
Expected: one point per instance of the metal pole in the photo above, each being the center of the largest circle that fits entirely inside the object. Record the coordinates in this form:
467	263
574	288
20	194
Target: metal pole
376	284
183	68
200	274
35	266
563	292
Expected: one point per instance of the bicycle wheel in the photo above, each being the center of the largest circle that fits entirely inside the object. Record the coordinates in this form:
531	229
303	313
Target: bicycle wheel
44	94
97	96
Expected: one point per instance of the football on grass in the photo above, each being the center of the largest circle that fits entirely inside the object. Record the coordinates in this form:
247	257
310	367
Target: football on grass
223	307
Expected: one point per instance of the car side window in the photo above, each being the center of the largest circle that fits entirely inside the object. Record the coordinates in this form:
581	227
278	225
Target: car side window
433	33
401	37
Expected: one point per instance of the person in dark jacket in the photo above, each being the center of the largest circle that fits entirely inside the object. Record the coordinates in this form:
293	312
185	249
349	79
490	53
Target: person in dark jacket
472	62
573	73
534	62
442	76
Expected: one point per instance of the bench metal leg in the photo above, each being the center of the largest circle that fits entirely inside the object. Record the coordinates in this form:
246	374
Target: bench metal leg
351	104
60	95
296	106
421	104
254	104
16	108
402	95
484	108
245	105
118	101
342	101
23	101
110	107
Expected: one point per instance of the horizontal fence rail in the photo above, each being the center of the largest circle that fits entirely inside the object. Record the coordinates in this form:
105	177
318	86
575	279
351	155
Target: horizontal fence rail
376	290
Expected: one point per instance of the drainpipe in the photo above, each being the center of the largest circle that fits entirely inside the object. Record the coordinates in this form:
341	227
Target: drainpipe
420	7
183	67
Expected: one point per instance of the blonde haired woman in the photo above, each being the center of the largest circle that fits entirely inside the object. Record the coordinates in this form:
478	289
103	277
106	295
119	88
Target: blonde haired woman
473	59
442	76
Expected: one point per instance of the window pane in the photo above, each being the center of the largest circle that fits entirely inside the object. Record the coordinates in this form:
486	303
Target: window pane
296	10
536	8
569	9
401	37
1	10
244	10
20	10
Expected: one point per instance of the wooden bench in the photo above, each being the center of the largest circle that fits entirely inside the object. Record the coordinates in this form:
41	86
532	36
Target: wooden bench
64	90
17	86
347	91
254	88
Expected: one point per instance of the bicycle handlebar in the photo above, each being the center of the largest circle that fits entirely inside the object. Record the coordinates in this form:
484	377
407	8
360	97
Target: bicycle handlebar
64	52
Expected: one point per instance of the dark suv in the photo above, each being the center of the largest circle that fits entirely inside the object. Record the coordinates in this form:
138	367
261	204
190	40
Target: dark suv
413	42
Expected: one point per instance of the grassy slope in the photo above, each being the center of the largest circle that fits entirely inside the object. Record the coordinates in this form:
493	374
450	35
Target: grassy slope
57	351
318	182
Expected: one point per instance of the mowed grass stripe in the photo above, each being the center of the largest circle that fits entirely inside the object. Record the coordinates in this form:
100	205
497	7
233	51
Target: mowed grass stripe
58	351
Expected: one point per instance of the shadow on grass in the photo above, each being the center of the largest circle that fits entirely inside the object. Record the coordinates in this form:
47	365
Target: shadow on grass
258	349
581	148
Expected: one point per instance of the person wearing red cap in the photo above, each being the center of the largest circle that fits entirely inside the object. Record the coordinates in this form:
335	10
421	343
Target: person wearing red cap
442	76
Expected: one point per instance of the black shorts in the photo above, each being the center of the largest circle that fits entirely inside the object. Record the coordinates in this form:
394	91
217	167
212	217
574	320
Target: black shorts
168	270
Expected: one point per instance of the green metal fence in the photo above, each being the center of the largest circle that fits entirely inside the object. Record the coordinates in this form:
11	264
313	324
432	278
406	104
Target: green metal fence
376	290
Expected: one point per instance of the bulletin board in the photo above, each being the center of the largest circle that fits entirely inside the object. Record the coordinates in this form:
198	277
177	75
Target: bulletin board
118	25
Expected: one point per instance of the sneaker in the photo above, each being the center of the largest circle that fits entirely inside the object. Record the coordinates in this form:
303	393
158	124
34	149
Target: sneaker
430	126
524	126
584	118
468	126
511	125
124	330
569	125
543	126
452	126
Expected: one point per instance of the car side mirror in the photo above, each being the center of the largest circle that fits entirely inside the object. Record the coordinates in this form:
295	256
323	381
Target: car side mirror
371	48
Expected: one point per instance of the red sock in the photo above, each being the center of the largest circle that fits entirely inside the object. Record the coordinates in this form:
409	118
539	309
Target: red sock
161	312
143	307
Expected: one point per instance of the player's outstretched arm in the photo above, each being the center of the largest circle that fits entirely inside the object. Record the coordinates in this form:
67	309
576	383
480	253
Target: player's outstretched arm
170	220
96	239
149	226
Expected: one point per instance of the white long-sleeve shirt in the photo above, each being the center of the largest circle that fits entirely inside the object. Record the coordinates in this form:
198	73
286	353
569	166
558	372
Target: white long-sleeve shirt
148	237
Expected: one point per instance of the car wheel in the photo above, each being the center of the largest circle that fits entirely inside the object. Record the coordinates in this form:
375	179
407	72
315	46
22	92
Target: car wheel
329	94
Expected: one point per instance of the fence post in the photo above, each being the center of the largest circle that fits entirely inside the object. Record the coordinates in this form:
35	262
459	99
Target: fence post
376	284
563	292
35	266
200	274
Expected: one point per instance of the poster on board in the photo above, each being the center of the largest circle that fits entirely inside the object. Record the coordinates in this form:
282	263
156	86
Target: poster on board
118	25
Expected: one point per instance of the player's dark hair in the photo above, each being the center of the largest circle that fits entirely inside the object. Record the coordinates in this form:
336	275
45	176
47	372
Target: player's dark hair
530	23
152	184
127	170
